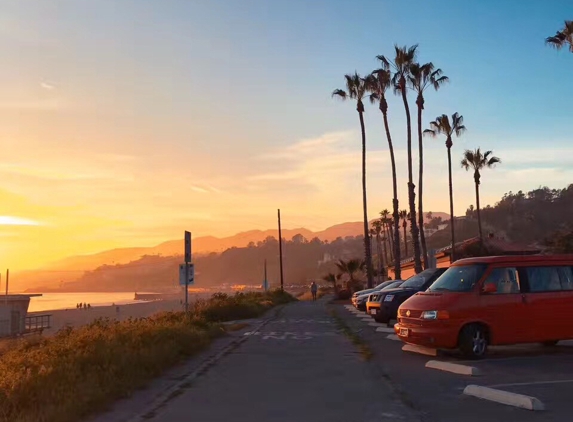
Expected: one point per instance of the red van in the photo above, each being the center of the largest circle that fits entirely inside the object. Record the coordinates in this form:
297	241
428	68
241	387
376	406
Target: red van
491	301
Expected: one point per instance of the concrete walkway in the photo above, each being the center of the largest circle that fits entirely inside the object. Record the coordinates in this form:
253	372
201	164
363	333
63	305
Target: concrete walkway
298	367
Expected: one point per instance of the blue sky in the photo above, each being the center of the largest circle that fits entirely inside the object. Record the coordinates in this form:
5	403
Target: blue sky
212	114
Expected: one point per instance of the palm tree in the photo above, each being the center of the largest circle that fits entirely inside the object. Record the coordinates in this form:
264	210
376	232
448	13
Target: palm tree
356	89
442	125
404	216
422	77
332	278
477	161
401	65
380	81
563	37
385	219
350	268
376	231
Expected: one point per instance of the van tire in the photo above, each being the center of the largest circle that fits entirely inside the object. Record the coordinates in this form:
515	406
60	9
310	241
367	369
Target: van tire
473	341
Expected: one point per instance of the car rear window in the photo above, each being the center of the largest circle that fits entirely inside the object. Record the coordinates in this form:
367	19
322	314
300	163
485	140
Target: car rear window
458	278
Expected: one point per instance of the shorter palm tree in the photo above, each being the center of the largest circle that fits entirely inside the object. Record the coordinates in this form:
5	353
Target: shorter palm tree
477	161
405	217
332	278
350	268
563	37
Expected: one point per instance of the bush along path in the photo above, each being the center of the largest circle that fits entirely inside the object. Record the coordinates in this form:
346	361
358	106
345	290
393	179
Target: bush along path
80	371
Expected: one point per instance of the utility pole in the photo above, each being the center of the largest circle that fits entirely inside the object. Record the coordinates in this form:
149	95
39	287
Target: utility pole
281	251
7	281
187	260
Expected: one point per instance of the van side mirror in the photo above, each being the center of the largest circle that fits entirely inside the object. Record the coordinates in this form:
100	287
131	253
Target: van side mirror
489	288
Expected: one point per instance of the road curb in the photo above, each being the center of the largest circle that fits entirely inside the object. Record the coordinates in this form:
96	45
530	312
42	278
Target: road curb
419	349
453	368
168	394
504	397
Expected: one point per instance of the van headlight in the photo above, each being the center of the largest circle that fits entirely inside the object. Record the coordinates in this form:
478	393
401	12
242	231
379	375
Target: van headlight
388	298
430	315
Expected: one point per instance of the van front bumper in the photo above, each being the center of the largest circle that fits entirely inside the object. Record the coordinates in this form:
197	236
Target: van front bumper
436	334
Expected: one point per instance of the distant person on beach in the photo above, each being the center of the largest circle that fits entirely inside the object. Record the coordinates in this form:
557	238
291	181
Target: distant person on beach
89	306
313	290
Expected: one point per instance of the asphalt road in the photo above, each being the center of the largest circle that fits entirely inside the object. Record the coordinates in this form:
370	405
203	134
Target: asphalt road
298	367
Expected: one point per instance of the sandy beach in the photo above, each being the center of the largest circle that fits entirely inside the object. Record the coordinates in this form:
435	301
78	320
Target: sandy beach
78	317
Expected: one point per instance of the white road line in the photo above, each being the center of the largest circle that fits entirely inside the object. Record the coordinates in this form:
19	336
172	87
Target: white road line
453	368
393	337
385	330
375	324
517	384
504	397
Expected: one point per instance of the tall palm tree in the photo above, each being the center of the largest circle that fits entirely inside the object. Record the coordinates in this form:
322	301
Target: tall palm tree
477	161
404	217
443	126
385	219
376	232
402	63
350	268
563	37
422	77
380	81
357	89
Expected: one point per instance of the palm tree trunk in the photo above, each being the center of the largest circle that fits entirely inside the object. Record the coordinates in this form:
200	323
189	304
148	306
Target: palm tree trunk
378	253
389	237
384	246
453	255
420	184
367	250
478	212
411	188
405	242
395	204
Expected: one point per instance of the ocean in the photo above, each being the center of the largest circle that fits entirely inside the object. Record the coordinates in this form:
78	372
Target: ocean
53	301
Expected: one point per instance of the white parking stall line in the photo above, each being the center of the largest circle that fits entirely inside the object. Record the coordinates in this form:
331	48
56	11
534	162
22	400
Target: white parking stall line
393	337
453	368
519	384
504	397
375	324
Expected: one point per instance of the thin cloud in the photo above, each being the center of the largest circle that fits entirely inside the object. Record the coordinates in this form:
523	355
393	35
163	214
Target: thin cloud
199	189
7	220
47	86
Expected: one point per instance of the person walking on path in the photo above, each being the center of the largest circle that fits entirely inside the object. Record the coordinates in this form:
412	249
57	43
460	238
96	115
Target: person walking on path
314	290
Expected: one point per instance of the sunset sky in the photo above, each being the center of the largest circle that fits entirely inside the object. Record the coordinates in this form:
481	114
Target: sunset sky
123	123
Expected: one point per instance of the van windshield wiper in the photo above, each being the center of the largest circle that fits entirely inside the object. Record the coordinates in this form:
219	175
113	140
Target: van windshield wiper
439	289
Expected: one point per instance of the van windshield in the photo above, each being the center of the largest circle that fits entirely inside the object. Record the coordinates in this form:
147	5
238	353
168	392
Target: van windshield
458	279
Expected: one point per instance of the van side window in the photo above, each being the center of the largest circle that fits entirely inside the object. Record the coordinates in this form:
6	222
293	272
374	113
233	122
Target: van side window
544	279
506	280
566	276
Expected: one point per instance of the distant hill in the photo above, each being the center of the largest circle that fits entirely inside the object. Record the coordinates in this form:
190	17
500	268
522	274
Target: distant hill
74	266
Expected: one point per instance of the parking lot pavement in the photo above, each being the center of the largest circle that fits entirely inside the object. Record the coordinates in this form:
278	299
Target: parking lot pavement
532	370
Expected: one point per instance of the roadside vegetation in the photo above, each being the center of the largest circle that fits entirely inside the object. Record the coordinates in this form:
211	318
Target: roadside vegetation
80	371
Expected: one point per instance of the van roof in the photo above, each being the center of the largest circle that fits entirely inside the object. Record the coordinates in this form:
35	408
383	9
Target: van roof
515	258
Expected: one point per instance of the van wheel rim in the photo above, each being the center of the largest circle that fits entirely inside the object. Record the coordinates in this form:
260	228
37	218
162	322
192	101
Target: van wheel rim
478	343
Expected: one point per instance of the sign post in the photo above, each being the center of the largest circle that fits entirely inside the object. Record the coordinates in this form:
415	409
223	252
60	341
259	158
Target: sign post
187	260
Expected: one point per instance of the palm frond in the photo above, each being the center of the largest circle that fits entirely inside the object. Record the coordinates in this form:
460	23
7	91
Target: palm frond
437	83
340	93
430	132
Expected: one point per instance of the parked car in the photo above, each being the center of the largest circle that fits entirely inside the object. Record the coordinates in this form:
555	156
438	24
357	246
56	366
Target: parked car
367	291
363	298
374	295
490	301
384	307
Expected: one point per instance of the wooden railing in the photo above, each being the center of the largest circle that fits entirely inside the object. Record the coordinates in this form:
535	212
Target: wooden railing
36	323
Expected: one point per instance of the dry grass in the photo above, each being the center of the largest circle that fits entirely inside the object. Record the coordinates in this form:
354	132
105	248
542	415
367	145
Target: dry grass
80	371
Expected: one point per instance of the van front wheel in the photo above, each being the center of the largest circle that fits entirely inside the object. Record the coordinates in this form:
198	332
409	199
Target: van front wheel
473	341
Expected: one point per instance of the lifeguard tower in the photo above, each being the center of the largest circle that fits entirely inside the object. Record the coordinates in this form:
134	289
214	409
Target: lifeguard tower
14	320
